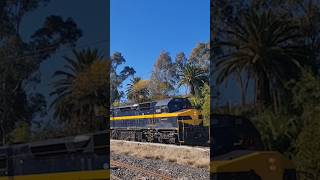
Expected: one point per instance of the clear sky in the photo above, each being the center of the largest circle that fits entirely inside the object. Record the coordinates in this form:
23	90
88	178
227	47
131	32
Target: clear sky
141	29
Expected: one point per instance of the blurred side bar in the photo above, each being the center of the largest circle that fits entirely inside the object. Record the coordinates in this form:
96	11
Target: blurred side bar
69	158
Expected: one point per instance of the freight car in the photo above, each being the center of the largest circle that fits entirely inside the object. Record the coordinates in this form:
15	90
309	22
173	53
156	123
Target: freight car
171	120
72	158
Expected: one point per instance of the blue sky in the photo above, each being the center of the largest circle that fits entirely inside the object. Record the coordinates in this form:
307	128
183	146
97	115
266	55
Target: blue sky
141	29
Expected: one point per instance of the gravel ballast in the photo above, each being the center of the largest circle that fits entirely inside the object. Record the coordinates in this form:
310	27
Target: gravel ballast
173	170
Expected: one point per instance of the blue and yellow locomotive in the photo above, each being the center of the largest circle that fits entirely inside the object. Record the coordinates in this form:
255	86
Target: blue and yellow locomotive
72	158
172	120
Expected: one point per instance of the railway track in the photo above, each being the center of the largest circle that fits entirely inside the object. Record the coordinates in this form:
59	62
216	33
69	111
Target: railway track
202	148
113	177
140	170
177	144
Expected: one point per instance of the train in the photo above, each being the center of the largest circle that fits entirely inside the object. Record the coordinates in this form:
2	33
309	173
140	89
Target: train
172	121
237	152
82	157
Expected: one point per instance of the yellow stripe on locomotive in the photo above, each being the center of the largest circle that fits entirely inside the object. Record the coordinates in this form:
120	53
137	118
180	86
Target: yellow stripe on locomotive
263	164
82	175
193	114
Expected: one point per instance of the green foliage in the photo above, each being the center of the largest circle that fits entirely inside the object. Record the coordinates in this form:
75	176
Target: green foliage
266	47
50	130
200	56
205	108
306	93
294	131
138	90
82	91
278	130
21	133
306	101
163	77
194	77
269	43
117	104
308	147
202	103
20	58
117	77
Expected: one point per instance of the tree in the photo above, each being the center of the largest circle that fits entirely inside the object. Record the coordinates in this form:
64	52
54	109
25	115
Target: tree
131	93
181	60
278	130
202	102
138	90
192	76
306	103
20	60
163	77
308	147
205	108
267	47
200	56
117	78
21	133
82	90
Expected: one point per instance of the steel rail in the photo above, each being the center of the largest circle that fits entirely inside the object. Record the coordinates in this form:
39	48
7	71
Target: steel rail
140	170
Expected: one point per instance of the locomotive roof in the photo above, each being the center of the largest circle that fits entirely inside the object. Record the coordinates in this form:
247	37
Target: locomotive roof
133	105
53	141
162	102
227	120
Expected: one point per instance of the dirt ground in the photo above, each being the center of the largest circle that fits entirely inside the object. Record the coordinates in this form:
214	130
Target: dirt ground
195	157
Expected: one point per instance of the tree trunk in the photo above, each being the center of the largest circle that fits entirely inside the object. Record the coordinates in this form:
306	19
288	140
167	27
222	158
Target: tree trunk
192	90
275	105
4	113
263	91
243	87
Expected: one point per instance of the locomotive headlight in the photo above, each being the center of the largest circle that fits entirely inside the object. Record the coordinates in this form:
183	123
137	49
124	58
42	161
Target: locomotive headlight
272	162
273	167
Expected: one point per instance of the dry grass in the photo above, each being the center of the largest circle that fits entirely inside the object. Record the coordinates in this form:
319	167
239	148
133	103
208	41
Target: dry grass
191	157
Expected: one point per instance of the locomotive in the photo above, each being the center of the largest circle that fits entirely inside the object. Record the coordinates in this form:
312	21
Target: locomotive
70	158
237	152
171	120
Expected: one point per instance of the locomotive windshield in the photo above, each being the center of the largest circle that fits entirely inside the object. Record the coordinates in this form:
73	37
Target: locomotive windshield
173	105
233	133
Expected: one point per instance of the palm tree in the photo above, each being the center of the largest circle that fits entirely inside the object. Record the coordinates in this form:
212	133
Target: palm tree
193	76
138	90
131	93
266	47
75	91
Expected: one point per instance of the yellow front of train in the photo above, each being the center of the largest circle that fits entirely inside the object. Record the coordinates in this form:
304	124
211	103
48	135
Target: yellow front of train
264	165
195	117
